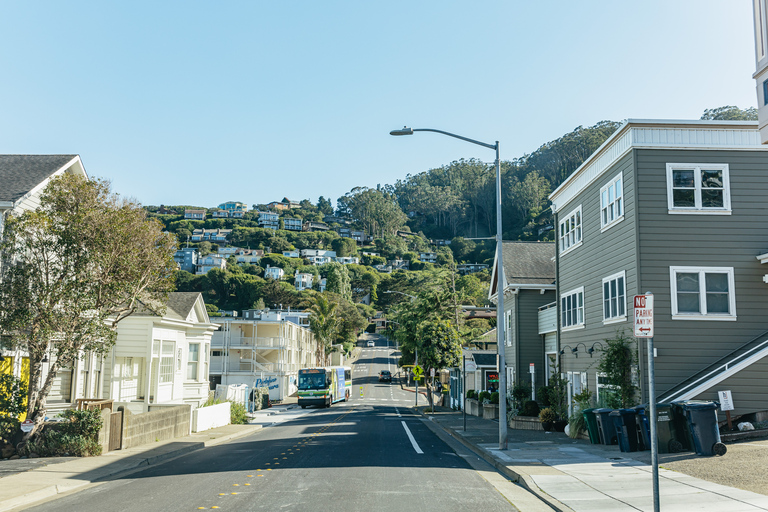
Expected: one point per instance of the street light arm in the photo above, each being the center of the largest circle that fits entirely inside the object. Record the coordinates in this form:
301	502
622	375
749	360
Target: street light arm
409	131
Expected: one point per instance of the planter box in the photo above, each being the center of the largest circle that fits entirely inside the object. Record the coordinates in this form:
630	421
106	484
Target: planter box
491	411
473	407
526	423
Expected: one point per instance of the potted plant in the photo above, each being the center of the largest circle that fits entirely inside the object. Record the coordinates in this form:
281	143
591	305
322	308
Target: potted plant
472	404
547	417
491	407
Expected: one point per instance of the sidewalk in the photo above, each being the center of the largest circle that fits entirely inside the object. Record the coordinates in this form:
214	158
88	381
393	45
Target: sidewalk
575	475
50	476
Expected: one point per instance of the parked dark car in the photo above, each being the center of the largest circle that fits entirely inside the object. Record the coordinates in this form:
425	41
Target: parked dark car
385	376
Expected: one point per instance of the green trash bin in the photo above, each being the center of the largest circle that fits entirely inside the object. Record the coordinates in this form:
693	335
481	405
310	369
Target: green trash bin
591	420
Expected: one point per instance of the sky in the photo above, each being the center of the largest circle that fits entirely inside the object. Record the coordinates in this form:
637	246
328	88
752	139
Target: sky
199	102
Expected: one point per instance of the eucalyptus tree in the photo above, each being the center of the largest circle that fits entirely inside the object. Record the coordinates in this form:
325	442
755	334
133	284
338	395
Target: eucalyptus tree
71	270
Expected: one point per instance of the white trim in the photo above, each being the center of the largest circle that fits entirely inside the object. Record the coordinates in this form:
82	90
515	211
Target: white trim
608	279
575	219
618	198
561	310
731	316
699	209
657	134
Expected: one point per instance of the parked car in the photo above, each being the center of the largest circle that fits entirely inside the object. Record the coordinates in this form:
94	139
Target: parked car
385	376
371	343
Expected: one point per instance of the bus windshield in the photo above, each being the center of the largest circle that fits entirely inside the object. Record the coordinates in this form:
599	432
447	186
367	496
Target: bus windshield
312	381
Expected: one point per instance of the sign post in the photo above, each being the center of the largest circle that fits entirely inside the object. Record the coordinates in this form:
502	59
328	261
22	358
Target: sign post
643	313
533	381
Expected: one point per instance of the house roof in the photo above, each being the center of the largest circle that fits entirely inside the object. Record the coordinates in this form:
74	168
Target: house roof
180	304
529	262
19	174
484	359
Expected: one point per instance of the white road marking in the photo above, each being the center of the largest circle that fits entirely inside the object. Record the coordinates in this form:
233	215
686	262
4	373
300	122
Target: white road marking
398	413
410	436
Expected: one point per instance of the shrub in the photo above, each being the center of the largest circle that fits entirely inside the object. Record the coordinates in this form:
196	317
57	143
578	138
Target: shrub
544	395
530	408
520	393
576	425
238	414
547	415
483	396
82	423
52	442
471	393
495	397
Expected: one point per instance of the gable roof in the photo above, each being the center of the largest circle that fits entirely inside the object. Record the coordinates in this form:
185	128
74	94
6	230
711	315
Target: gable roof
20	174
526	264
180	304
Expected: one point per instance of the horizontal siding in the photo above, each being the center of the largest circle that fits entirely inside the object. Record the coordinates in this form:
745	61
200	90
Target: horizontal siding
601	255
133	338
687	346
531	342
510	352
746	396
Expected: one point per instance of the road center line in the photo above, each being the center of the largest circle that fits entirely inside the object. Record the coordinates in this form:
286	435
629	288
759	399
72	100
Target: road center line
410	436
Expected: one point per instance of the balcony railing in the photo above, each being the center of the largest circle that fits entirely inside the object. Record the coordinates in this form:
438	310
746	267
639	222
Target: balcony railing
548	318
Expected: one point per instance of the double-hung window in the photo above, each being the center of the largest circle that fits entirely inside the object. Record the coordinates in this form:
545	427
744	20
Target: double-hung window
698	188
611	203
192	362
702	293
614	297
166	362
572	308
569	231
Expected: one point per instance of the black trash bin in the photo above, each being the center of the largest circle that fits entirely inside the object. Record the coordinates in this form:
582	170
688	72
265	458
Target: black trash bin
643	429
682	427
666	428
626	429
705	433
605	426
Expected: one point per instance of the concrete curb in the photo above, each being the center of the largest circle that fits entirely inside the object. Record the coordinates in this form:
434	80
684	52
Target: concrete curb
525	481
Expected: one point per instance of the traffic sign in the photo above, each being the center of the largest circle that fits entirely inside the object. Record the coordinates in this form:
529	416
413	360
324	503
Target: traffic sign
643	316
26	425
417	371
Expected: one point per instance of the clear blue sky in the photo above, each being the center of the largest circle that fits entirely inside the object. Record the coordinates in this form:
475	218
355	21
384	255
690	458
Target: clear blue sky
192	102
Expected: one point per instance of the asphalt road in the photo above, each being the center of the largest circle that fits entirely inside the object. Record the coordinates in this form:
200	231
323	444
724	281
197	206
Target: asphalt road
370	453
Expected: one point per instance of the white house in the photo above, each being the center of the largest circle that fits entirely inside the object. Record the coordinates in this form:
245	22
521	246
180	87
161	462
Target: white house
291	254
22	180
211	261
161	359
275	273
303	281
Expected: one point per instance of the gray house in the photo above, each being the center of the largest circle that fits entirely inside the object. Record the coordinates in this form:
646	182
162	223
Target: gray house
676	208
529	286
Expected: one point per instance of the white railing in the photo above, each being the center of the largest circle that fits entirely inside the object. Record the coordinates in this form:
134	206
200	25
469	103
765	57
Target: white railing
548	318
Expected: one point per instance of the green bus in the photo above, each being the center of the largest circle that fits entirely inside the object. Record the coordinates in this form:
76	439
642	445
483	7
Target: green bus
324	386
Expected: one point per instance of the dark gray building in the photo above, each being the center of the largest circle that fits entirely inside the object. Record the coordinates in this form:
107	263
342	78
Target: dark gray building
676	208
529	277
186	258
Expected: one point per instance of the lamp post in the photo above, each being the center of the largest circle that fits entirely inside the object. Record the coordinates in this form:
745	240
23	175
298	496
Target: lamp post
500	330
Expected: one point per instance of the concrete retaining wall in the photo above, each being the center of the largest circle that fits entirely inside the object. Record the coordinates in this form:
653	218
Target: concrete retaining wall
212	416
156	425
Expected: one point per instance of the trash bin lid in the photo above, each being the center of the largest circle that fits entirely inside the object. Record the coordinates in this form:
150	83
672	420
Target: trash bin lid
603	410
615	412
698	405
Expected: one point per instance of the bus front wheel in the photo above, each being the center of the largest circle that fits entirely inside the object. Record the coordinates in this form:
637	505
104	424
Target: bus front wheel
330	401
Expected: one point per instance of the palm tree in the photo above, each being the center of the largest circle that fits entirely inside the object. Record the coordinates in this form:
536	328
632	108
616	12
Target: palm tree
324	325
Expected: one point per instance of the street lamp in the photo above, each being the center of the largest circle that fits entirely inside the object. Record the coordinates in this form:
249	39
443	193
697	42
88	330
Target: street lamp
499	279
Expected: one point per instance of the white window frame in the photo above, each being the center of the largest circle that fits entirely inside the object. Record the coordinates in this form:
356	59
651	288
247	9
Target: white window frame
166	364
579	309
618	317
698	209
612	209
572	236
193	365
703	315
